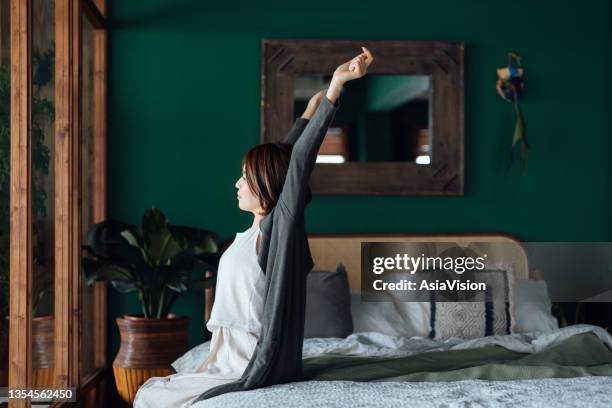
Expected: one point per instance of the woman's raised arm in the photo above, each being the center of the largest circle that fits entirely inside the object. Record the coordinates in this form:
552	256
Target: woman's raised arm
305	150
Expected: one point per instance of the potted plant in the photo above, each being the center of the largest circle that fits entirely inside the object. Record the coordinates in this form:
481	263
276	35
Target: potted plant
159	262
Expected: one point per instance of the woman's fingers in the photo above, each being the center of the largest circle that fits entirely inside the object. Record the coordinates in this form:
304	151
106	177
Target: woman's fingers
361	69
357	67
368	55
362	66
365	59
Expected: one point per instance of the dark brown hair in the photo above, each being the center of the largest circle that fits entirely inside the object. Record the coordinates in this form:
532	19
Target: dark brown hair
265	168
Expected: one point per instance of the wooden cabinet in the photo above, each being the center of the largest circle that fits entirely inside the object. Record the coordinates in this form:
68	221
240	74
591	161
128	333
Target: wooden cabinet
57	324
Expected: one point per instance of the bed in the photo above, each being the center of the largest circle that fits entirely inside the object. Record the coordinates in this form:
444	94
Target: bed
401	364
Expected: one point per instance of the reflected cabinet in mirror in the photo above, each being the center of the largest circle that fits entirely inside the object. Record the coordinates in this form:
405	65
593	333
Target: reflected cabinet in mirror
399	129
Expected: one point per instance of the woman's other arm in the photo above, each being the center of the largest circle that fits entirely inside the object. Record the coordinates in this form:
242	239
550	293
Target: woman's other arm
301	122
305	150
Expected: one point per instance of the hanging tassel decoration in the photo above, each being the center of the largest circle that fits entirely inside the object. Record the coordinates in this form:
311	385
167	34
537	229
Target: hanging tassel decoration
509	86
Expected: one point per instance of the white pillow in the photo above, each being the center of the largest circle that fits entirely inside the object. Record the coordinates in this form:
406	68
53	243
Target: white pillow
532	307
390	317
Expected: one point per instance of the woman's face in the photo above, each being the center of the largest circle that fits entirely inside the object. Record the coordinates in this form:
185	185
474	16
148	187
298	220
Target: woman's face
247	200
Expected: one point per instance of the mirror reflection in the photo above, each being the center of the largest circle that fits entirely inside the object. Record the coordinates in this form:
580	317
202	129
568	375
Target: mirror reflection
384	118
43	194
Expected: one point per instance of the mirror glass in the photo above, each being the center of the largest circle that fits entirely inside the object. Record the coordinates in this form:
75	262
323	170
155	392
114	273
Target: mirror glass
384	118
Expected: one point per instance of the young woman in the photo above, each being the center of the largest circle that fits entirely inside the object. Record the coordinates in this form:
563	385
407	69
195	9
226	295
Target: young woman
257	320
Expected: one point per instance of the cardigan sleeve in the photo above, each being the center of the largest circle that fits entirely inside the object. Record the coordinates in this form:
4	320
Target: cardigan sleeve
304	156
296	131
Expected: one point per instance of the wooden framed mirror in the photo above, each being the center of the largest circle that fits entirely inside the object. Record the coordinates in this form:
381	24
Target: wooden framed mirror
399	130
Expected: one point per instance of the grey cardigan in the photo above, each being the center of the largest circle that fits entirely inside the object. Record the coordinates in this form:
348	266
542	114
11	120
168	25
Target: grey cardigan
285	258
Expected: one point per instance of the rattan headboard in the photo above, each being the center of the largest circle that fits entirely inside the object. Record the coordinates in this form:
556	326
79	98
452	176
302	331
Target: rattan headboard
329	249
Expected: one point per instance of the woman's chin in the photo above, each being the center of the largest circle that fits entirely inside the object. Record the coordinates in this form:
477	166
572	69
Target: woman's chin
243	206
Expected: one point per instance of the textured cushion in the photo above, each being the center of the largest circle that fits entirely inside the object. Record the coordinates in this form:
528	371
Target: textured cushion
328	304
470	320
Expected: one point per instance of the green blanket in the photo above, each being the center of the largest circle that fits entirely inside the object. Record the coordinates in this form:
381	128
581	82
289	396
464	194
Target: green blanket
580	355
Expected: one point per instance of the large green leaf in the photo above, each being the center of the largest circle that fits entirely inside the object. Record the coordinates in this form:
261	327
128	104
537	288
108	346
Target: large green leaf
113	248
133	240
203	241
130	238
105	271
124	287
184	269
104	237
160	244
176	274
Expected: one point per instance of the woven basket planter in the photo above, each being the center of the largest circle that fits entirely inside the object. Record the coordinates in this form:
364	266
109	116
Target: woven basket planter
148	347
43	358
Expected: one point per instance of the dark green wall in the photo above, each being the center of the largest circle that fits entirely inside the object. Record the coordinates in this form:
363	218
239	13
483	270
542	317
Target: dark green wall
184	81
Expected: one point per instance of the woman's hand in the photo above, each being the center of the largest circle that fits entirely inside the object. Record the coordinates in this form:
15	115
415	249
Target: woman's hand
353	69
313	104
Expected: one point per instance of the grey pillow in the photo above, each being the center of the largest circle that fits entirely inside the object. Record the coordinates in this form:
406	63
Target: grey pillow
328	304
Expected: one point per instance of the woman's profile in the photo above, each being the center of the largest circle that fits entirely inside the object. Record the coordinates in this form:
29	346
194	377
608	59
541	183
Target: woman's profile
257	320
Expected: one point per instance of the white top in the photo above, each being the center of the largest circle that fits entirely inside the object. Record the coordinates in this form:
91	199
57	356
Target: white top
239	292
